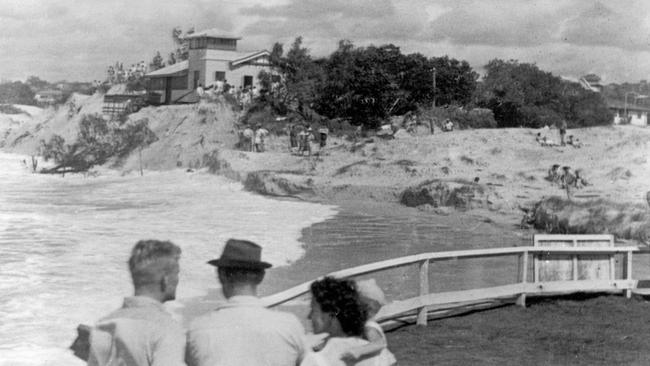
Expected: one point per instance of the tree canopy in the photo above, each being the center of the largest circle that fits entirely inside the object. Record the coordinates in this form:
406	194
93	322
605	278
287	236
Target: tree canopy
16	93
366	84
520	94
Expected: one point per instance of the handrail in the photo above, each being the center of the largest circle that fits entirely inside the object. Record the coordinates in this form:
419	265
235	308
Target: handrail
303	288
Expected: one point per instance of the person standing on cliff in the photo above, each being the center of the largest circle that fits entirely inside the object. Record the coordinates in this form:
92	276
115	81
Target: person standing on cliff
568	181
249	135
293	138
242	331
142	333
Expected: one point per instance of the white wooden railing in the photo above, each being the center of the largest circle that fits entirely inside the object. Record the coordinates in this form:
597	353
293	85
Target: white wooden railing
427	301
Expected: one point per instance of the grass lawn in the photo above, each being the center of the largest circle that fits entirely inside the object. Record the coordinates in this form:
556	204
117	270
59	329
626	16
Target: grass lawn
581	330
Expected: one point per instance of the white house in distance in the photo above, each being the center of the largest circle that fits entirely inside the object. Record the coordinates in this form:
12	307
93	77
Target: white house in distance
636	115
48	96
624	112
212	57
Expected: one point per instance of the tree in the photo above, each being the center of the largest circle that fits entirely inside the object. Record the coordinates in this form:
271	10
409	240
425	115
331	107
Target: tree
455	81
520	94
364	84
36	83
181	52
157	62
300	76
97	142
16	93
368	84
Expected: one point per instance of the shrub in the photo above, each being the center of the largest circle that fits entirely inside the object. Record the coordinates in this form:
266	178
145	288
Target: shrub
626	221
462	118
16	93
10	109
97	142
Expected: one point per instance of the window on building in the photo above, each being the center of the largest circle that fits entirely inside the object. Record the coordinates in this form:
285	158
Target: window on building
219	75
248	81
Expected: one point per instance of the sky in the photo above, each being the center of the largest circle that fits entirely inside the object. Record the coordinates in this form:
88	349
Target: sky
76	40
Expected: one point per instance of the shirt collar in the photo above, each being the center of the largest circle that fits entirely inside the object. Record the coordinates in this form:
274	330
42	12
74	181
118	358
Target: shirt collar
142	302
241	300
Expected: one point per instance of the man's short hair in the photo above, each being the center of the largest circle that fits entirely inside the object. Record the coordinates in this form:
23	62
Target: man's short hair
238	275
151	260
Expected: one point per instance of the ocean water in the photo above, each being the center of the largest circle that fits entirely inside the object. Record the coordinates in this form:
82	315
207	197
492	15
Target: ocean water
64	243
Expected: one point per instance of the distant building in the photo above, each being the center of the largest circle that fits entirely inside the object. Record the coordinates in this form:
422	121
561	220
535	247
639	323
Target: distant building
212	57
624	113
591	83
628	113
50	96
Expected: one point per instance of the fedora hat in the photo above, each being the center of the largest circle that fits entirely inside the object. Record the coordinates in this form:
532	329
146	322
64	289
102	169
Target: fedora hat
240	254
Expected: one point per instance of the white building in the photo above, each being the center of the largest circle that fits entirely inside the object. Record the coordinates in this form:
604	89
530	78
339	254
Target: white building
48	96
212	57
628	113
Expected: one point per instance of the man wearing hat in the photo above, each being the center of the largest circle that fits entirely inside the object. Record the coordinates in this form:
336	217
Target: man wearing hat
242	331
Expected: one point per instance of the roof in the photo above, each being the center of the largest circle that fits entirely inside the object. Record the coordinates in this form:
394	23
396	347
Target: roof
49	92
120	89
617	104
570	79
234	56
212	33
590	85
250	56
170	70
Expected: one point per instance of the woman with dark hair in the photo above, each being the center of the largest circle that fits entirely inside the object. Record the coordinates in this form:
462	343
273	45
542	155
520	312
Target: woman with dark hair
337	309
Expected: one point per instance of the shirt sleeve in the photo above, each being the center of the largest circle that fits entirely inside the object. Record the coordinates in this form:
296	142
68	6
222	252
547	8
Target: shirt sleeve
300	340
170	348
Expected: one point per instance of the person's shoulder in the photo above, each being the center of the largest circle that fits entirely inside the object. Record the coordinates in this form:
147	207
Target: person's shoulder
286	318
202	321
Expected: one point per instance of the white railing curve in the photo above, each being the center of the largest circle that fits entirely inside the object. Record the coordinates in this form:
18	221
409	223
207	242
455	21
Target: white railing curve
427	301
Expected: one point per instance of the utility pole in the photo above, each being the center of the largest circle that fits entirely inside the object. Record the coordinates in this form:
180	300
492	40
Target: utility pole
434	87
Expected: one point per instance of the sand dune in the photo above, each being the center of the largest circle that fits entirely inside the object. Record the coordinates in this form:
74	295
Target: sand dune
509	165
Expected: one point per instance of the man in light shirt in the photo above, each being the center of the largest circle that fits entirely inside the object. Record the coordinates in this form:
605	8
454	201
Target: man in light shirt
242	331
142	333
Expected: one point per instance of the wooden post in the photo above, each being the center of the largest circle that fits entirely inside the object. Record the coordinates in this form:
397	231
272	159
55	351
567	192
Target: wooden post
424	290
521	300
628	270
575	256
536	268
574	276
140	159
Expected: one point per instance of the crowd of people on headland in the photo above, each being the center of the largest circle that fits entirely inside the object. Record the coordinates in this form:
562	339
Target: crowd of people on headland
243	95
301	137
241	330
